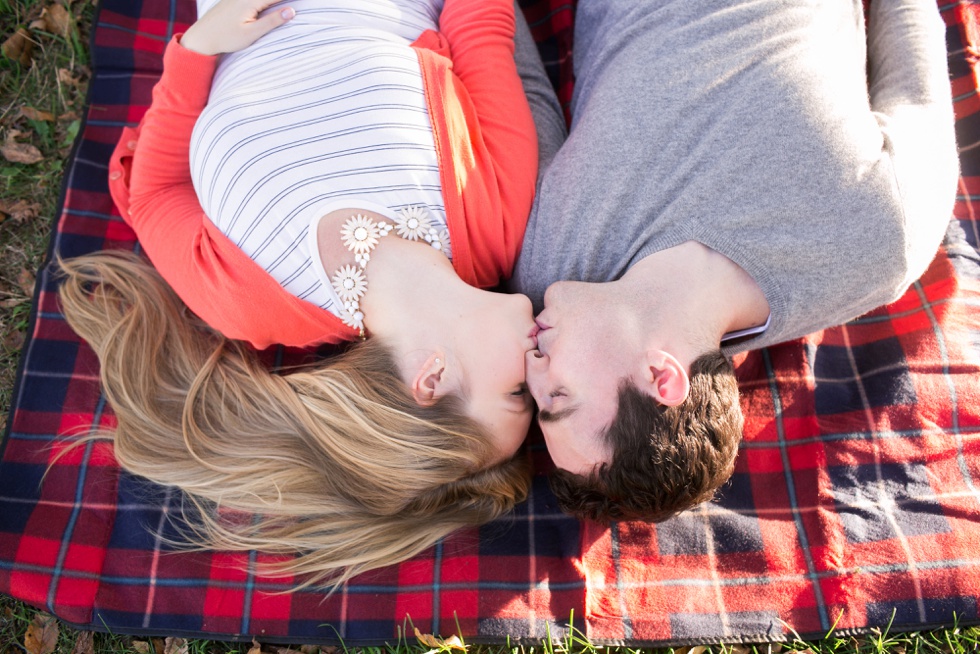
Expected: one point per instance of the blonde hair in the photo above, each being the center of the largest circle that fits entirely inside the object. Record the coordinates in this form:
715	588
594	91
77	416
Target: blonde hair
337	462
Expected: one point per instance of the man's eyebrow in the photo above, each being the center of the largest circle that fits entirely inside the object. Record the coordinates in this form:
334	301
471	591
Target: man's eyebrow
548	416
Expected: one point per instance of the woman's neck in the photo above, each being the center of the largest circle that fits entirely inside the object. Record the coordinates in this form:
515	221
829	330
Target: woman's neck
411	287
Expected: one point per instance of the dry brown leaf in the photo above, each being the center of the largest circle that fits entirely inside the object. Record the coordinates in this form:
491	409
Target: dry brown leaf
26	281
174	645
14	341
700	649
66	76
20	210
452	643
84	643
23	153
141	646
286	650
19	47
30	113
10	303
309	649
427	639
56	19
157	645
68	116
256	647
42	635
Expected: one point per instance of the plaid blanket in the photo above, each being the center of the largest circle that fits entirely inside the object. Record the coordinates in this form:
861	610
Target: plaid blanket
855	502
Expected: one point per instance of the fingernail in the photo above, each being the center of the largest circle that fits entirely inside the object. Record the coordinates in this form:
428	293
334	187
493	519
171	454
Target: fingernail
287	13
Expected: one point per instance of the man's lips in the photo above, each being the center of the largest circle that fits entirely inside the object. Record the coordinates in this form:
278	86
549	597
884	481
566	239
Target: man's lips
533	335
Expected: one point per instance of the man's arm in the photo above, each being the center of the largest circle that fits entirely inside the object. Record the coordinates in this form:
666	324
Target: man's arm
910	94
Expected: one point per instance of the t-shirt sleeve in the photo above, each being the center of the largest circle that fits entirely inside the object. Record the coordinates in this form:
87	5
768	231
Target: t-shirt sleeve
910	96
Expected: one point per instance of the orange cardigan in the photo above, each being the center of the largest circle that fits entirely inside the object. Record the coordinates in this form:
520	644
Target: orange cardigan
484	138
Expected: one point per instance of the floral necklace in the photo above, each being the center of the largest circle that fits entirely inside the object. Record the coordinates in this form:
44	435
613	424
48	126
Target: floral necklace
361	235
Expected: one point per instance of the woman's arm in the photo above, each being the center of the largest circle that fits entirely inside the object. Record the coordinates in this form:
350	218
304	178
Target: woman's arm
481	39
164	209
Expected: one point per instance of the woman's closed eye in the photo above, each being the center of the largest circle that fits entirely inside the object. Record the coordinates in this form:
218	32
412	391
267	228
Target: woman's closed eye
521	391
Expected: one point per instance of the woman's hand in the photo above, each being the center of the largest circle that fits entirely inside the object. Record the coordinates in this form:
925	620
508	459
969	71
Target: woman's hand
232	25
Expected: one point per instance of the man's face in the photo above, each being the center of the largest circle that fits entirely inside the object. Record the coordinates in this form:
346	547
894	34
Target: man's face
575	373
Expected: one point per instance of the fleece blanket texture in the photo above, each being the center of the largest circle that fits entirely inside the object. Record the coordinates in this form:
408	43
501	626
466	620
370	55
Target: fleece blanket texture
854	505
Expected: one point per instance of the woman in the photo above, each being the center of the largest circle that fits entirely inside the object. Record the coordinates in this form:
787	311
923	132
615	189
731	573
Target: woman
309	236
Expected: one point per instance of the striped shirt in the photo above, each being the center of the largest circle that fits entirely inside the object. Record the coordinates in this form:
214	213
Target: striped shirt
327	110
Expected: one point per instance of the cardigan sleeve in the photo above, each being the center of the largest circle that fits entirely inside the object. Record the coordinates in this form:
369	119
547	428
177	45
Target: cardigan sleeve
216	280
480	34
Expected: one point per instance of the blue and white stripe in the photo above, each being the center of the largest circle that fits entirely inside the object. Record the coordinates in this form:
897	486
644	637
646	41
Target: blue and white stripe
328	108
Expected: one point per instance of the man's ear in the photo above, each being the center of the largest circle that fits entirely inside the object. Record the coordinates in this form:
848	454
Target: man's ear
667	380
430	381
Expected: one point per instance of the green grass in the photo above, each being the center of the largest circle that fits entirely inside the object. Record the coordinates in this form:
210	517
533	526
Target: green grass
22	247
15	619
62	95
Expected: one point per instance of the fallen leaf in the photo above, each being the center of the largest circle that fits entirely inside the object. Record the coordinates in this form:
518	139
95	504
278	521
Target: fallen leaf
14	341
700	649
26	281
42	635
23	153
19	47
68	116
20	210
10	303
141	646
309	649
174	645
84	643
65	76
451	643
56	19
157	645
286	650
426	639
30	113
256	647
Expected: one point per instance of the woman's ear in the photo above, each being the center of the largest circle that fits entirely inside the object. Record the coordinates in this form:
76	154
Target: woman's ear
430	381
667	380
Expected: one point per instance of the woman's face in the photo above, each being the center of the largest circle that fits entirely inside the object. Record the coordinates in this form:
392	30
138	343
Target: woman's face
490	342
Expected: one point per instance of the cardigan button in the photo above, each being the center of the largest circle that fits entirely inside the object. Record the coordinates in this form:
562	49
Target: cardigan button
114	175
131	145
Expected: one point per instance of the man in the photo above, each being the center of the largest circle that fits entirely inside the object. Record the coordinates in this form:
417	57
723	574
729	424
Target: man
736	174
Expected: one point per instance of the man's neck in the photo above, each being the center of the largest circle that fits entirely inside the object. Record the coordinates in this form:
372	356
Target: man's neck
694	296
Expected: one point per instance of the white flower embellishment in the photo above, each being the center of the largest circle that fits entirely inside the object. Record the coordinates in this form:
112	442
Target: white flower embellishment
442	244
413	223
350	284
360	235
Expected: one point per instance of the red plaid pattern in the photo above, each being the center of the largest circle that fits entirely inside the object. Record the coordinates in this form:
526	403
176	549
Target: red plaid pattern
855	501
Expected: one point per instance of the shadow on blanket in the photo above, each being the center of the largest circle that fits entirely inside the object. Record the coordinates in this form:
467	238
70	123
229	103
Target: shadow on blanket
854	503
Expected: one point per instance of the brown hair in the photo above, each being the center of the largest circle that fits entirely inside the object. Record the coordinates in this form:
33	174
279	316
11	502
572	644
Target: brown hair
665	459
337	461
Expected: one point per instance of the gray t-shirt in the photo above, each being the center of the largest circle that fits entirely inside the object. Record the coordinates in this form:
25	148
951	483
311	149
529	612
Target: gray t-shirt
821	161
